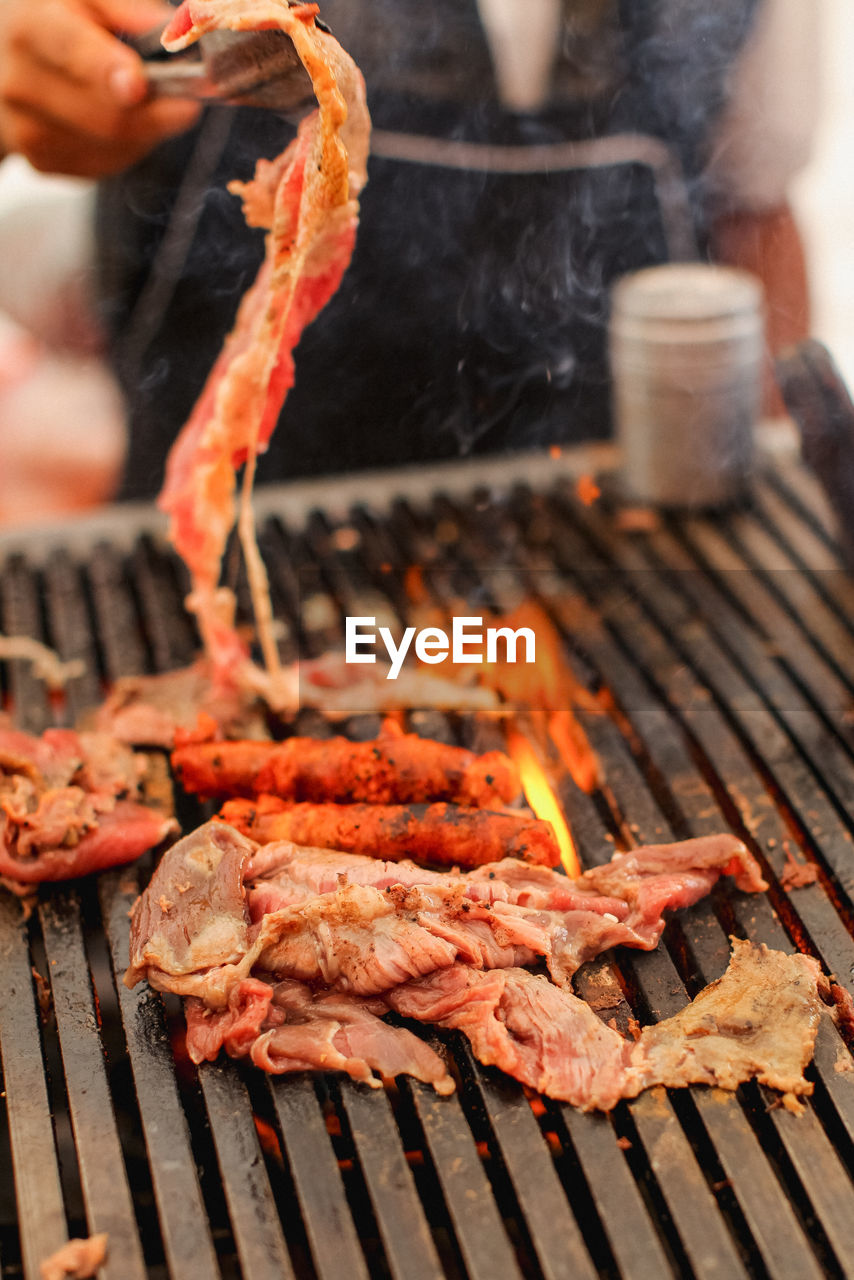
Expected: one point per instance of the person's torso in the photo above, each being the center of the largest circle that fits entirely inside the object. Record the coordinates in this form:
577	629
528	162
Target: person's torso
474	314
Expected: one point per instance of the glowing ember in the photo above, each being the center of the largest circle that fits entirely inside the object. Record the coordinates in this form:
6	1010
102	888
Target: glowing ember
268	1138
541	796
587	490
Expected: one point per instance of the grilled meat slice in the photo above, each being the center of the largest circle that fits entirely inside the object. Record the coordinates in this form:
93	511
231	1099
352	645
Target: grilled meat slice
285	1028
148	711
70	805
192	917
283	874
758	1021
192	931
545	1037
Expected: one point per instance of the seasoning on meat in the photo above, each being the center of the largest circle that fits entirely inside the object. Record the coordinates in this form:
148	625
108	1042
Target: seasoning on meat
284	874
306	199
69	805
445	834
395	768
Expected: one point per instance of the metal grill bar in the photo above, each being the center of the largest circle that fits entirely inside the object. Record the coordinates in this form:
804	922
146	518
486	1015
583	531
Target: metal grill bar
41	1212
102	1172
184	1226
483	1241
251	1205
400	1216
709	726
320	1189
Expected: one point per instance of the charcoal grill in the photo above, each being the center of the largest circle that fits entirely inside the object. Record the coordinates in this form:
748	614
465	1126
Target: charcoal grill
726	650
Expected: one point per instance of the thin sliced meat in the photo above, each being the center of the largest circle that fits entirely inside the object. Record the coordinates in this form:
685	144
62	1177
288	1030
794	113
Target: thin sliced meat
285	1028
235	1028
444	834
69	806
547	1038
307	200
158	710
367	937
121	836
148	711
192	916
395	768
284	874
343	1033
59	757
758	1021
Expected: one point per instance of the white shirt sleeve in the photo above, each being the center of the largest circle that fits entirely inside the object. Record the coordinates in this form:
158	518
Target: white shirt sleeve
766	132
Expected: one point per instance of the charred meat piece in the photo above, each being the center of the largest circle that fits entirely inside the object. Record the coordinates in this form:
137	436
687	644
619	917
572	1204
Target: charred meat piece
395	768
444	834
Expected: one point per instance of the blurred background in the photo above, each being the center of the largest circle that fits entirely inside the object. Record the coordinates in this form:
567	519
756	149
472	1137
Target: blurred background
823	194
44	229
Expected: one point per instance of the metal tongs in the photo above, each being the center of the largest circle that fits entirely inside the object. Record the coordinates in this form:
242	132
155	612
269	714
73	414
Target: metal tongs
237	68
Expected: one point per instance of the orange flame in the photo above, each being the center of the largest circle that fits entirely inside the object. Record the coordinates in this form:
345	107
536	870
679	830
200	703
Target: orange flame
541	797
575	751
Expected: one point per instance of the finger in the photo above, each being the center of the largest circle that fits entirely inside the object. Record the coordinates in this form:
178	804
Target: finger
54	148
78	50
50	96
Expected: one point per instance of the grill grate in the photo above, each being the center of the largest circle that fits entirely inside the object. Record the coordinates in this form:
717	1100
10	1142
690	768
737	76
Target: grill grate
727	650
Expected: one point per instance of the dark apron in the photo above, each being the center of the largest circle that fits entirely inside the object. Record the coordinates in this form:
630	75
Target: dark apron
473	317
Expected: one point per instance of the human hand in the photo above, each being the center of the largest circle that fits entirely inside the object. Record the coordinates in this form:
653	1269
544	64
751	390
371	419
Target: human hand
73	98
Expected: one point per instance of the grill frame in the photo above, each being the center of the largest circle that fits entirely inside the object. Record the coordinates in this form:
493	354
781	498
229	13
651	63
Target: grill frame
728	711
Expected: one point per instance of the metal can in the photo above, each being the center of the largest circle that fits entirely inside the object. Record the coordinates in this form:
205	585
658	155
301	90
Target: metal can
686	349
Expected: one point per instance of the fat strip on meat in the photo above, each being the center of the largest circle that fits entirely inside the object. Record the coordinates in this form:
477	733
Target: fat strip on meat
307	200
